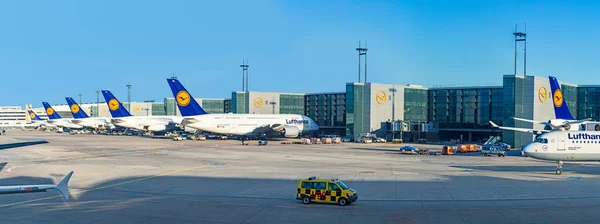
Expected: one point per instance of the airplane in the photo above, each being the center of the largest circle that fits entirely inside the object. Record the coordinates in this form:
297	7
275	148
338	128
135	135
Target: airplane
35	119
562	146
564	120
288	125
55	119
81	118
61	187
121	117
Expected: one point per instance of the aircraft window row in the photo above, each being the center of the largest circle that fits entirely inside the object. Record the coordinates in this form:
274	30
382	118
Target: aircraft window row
260	118
247	125
233	117
586	142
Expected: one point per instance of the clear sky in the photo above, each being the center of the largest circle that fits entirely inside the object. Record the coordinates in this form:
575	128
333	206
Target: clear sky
62	48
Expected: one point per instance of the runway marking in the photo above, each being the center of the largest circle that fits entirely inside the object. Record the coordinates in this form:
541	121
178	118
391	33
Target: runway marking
108	186
242	204
194	200
285	206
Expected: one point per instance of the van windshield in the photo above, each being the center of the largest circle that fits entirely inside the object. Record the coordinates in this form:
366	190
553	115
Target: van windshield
342	185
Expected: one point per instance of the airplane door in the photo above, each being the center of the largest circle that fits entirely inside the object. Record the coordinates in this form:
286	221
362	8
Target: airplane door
561	143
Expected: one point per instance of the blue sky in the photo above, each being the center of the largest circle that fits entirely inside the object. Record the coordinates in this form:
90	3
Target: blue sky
62	48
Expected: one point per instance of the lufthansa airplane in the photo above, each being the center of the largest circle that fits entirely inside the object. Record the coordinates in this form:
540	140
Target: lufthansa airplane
564	120
287	125
35	119
121	117
61	187
562	146
56	120
81	118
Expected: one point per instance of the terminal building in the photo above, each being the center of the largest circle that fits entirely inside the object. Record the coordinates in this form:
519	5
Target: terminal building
410	112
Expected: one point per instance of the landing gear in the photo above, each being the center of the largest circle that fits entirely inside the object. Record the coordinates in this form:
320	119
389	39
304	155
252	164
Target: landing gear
559	167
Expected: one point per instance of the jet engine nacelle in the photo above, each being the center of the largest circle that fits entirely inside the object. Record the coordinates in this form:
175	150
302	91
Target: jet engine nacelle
559	124
291	132
157	128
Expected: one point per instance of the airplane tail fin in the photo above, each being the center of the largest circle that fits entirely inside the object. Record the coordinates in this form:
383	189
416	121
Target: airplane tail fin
63	187
188	106
561	110
50	111
76	109
114	106
33	115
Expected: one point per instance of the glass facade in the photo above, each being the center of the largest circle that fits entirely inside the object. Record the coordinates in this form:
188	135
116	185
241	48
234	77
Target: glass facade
291	104
227	106
356	122
213	106
327	109
238	102
570	96
513	100
467	108
588	102
415	104
158	109
170	107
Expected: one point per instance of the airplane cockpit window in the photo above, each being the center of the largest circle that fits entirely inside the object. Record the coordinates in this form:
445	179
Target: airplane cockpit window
542	140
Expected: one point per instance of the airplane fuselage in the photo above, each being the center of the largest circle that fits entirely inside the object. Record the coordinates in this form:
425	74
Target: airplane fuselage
145	123
249	124
565	146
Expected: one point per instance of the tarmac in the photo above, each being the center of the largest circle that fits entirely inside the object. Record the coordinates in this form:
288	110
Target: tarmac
130	179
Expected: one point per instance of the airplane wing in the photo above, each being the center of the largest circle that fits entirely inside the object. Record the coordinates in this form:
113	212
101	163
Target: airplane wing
62	187
531	121
577	121
278	127
526	130
21	144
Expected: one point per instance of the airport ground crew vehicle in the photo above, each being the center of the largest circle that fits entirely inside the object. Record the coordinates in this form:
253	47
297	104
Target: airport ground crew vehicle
326	191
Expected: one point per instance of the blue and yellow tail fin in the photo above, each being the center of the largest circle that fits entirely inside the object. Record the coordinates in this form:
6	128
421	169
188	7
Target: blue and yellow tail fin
114	106
76	109
33	116
561	110
186	103
50	111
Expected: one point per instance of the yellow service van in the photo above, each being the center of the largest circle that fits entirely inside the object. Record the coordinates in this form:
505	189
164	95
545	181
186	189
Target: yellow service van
313	189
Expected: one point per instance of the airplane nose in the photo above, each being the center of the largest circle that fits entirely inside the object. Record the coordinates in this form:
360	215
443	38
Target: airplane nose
527	150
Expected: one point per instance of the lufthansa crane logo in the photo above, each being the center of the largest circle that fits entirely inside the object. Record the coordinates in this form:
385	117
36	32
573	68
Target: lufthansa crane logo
32	115
543	94
113	104
558	98
74	108
50	111
258	102
183	98
380	97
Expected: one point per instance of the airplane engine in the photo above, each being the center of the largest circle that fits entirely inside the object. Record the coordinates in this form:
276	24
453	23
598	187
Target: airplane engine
291	132
155	128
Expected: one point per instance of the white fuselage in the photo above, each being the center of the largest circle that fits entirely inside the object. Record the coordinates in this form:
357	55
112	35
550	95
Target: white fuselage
145	123
93	122
63	122
565	146
248	124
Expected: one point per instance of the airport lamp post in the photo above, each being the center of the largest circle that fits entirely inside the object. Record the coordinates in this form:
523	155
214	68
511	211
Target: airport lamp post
393	91
128	96
80	98
97	103
273	104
